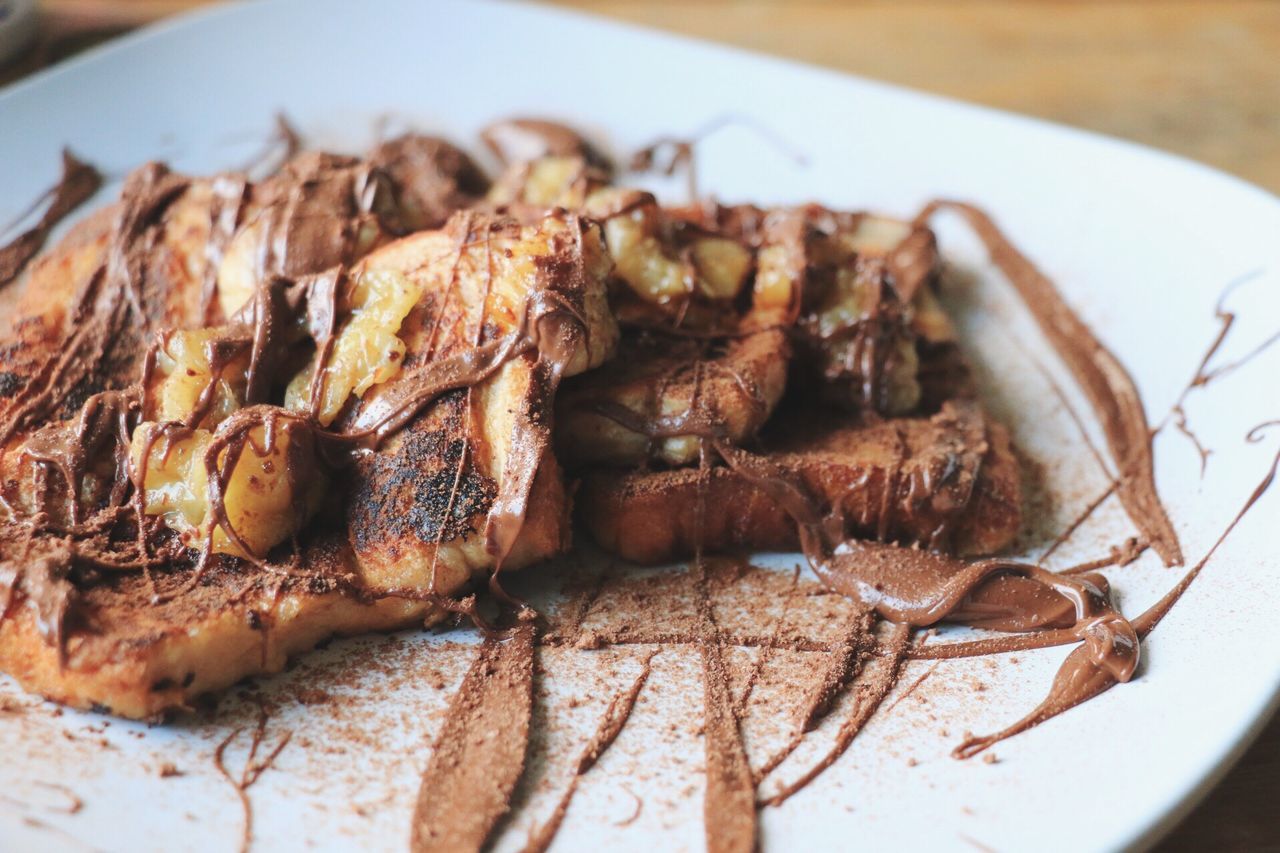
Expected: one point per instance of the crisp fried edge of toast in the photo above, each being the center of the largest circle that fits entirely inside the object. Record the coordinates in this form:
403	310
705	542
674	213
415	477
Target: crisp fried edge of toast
647	517
171	672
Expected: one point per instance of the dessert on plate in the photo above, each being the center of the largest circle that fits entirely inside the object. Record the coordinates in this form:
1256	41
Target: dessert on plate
242	416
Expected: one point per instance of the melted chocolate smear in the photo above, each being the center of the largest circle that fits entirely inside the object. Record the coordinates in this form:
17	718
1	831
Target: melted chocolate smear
1111	391
611	724
77	185
480	754
314	211
433	178
1083	675
915	588
921	588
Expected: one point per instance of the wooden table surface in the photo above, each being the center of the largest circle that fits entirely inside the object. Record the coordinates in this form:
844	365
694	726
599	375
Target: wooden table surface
1197	77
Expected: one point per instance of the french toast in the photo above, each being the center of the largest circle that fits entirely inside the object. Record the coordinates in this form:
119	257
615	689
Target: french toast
481	460
136	647
241	417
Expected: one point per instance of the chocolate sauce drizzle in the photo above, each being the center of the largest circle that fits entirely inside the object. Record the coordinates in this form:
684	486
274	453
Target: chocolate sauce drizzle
253	768
79	182
1083	675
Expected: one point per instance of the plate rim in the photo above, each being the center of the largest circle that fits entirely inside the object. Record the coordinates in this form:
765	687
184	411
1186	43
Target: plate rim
1143	833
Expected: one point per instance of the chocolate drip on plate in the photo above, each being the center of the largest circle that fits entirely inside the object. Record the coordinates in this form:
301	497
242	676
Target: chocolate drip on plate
1102	377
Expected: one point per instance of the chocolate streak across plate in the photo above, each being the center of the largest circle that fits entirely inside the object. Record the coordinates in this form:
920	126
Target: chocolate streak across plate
1102	377
480	753
77	185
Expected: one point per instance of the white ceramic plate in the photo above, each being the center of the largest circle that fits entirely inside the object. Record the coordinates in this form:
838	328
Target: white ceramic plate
1141	242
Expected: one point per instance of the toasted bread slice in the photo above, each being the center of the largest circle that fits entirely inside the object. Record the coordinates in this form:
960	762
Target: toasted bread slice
470	484
137	650
85	619
946	481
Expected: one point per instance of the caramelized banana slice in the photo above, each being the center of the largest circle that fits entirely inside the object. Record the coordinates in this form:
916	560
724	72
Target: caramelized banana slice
678	271
269	485
263	463
364	352
200	375
663	395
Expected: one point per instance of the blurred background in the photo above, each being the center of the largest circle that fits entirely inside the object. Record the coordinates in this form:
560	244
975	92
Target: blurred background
1199	78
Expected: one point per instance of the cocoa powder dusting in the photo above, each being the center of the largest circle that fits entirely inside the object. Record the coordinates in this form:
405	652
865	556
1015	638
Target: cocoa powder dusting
729	805
611	725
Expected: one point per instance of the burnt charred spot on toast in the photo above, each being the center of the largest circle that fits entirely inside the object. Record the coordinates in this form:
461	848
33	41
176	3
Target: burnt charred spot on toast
10	382
422	487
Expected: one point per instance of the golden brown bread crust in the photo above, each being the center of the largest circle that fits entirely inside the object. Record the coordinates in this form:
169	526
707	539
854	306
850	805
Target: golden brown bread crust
652	516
